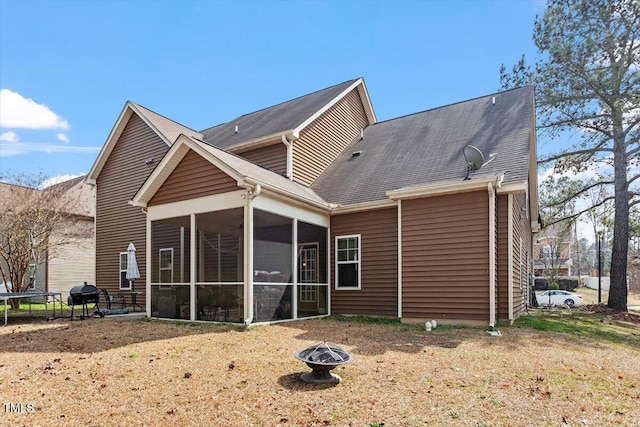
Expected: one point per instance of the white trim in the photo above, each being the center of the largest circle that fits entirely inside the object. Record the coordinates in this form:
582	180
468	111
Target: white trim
492	255
445	188
248	262
266	140
359	262
122	121
400	259
291	210
327	106
148	266
514	187
510	254
213	203
289	145
328	237
287	195
368	108
160	269
193	277
126	254
364	206
294	268
168	164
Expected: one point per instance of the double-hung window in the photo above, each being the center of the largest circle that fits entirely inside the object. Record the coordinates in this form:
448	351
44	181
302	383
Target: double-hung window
124	282
166	265
348	262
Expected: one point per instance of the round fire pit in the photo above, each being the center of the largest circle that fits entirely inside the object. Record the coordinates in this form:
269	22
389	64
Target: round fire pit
322	358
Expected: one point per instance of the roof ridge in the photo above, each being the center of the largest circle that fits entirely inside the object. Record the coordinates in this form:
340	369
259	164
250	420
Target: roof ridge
451	104
163	116
281	103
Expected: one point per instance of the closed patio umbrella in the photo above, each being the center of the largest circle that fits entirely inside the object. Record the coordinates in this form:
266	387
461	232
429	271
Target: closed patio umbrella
132	265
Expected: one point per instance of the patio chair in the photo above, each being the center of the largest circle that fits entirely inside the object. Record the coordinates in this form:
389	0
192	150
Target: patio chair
113	298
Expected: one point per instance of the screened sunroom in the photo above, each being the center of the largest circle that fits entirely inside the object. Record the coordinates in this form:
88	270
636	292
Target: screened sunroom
198	267
224	248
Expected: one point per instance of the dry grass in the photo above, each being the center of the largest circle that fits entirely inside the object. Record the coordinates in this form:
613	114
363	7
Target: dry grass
132	372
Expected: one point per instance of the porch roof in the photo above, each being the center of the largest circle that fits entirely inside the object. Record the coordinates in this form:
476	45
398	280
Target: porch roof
246	174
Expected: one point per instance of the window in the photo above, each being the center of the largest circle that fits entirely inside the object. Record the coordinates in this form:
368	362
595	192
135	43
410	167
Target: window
124	282
549	252
348	262
166	265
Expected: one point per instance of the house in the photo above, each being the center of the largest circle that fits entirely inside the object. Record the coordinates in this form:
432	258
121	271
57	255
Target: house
552	256
313	207
70	258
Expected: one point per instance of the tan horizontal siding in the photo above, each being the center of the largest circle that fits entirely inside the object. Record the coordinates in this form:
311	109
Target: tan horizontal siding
379	264
273	157
118	223
445	258
321	142
73	263
521	259
193	177
503	256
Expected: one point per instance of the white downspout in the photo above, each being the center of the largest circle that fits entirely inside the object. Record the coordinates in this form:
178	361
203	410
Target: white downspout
492	255
289	145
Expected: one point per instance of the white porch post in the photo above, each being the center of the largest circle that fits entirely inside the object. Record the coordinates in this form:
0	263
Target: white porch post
248	261
329	270
148	262
193	272
294	293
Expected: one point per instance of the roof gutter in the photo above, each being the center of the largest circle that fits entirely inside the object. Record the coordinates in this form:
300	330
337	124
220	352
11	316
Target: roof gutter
445	188
263	140
289	195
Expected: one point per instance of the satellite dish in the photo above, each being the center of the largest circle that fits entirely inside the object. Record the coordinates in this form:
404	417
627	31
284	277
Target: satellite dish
475	159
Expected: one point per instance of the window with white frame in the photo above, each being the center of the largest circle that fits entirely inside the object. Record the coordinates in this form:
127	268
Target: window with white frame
348	262
124	282
166	265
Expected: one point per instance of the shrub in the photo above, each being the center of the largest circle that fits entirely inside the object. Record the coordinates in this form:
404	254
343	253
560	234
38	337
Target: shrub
564	283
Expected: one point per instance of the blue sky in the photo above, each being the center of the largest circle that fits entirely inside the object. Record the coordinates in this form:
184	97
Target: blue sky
68	67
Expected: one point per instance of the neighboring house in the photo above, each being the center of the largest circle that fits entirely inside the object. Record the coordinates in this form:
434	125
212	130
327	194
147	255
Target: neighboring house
552	256
72	263
311	207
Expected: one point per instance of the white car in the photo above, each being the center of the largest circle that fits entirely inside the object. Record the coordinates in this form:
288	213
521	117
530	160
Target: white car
559	297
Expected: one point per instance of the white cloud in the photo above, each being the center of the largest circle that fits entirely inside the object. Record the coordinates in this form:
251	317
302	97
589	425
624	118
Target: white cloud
9	137
18	148
17	111
57	180
62	137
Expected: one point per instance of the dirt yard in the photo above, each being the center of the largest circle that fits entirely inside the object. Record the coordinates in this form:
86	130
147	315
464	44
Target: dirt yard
108	372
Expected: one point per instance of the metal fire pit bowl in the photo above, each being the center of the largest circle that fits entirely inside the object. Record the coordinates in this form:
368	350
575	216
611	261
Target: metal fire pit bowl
322	358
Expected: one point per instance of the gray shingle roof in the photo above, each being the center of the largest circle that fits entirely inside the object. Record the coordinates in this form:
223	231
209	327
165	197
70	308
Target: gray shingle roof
167	127
278	118
426	148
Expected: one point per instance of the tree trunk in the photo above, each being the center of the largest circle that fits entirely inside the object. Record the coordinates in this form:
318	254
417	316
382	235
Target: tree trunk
618	280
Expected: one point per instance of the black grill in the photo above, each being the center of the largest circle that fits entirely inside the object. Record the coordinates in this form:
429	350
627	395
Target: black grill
82	295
